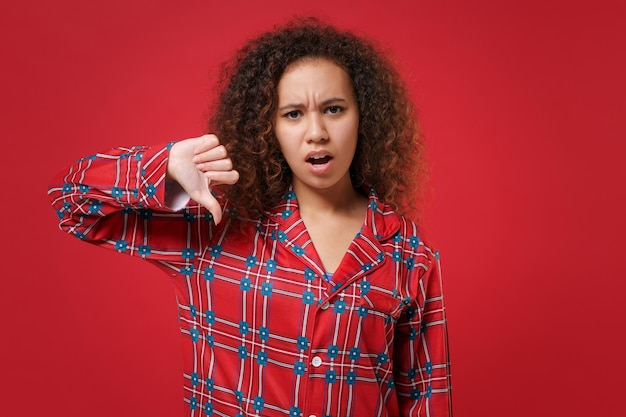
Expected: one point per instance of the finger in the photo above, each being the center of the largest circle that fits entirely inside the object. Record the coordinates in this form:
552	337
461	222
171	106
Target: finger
206	200
222	177
204	143
219	165
213	154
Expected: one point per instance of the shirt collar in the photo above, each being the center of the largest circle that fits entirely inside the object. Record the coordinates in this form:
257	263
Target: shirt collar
380	218
366	250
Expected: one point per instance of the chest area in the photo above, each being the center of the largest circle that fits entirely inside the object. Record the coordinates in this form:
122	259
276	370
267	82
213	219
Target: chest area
281	273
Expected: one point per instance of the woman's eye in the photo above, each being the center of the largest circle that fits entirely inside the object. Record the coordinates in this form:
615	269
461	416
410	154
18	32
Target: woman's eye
334	110
294	114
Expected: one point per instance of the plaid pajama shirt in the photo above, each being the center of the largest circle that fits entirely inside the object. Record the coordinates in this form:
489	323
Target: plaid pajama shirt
265	331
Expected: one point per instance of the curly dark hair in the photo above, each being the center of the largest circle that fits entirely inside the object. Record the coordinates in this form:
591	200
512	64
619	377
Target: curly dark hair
389	153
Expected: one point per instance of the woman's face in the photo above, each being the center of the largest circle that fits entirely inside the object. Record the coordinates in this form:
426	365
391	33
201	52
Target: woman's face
317	124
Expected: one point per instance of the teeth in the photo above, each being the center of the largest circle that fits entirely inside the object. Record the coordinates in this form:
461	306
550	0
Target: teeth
319	159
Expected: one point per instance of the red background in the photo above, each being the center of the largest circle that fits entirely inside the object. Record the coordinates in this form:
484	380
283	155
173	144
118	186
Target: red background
523	104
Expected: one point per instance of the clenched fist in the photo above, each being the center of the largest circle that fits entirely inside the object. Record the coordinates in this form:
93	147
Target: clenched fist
196	164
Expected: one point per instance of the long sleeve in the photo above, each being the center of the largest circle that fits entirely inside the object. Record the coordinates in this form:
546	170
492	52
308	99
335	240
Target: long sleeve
421	348
115	200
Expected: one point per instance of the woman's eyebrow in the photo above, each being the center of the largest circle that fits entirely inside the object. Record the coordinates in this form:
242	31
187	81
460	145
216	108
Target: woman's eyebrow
301	105
333	101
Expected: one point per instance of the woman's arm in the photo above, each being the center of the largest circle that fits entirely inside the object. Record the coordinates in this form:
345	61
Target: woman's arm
421	347
120	199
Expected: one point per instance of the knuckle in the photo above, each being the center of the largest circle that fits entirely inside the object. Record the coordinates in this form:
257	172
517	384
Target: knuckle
209	140
213	139
221	151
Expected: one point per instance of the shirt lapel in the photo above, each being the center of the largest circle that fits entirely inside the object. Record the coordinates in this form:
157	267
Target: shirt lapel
364	255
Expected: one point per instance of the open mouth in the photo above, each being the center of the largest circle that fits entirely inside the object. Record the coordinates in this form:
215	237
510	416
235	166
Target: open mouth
319	160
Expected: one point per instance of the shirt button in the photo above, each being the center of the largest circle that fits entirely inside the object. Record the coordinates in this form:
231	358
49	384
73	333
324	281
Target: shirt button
312	415
325	306
317	361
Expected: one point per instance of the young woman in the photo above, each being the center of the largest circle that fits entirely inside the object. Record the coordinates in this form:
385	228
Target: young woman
301	289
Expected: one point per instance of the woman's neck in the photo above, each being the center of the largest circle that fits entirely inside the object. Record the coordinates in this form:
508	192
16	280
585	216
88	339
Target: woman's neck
341	199
332	218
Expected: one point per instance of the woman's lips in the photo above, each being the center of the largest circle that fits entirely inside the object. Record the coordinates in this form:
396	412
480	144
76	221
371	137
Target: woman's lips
319	160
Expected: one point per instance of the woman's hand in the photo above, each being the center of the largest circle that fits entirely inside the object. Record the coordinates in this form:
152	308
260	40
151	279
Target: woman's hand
196	164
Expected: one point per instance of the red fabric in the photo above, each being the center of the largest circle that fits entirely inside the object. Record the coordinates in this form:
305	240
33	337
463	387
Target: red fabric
265	332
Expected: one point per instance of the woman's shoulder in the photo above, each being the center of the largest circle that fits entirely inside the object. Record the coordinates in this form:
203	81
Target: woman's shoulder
403	228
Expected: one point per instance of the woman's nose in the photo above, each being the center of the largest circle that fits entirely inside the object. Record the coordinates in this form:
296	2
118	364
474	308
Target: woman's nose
316	129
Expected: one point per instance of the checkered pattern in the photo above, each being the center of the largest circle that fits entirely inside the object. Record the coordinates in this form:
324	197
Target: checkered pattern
265	331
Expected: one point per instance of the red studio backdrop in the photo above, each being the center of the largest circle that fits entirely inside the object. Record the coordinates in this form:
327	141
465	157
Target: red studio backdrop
522	105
